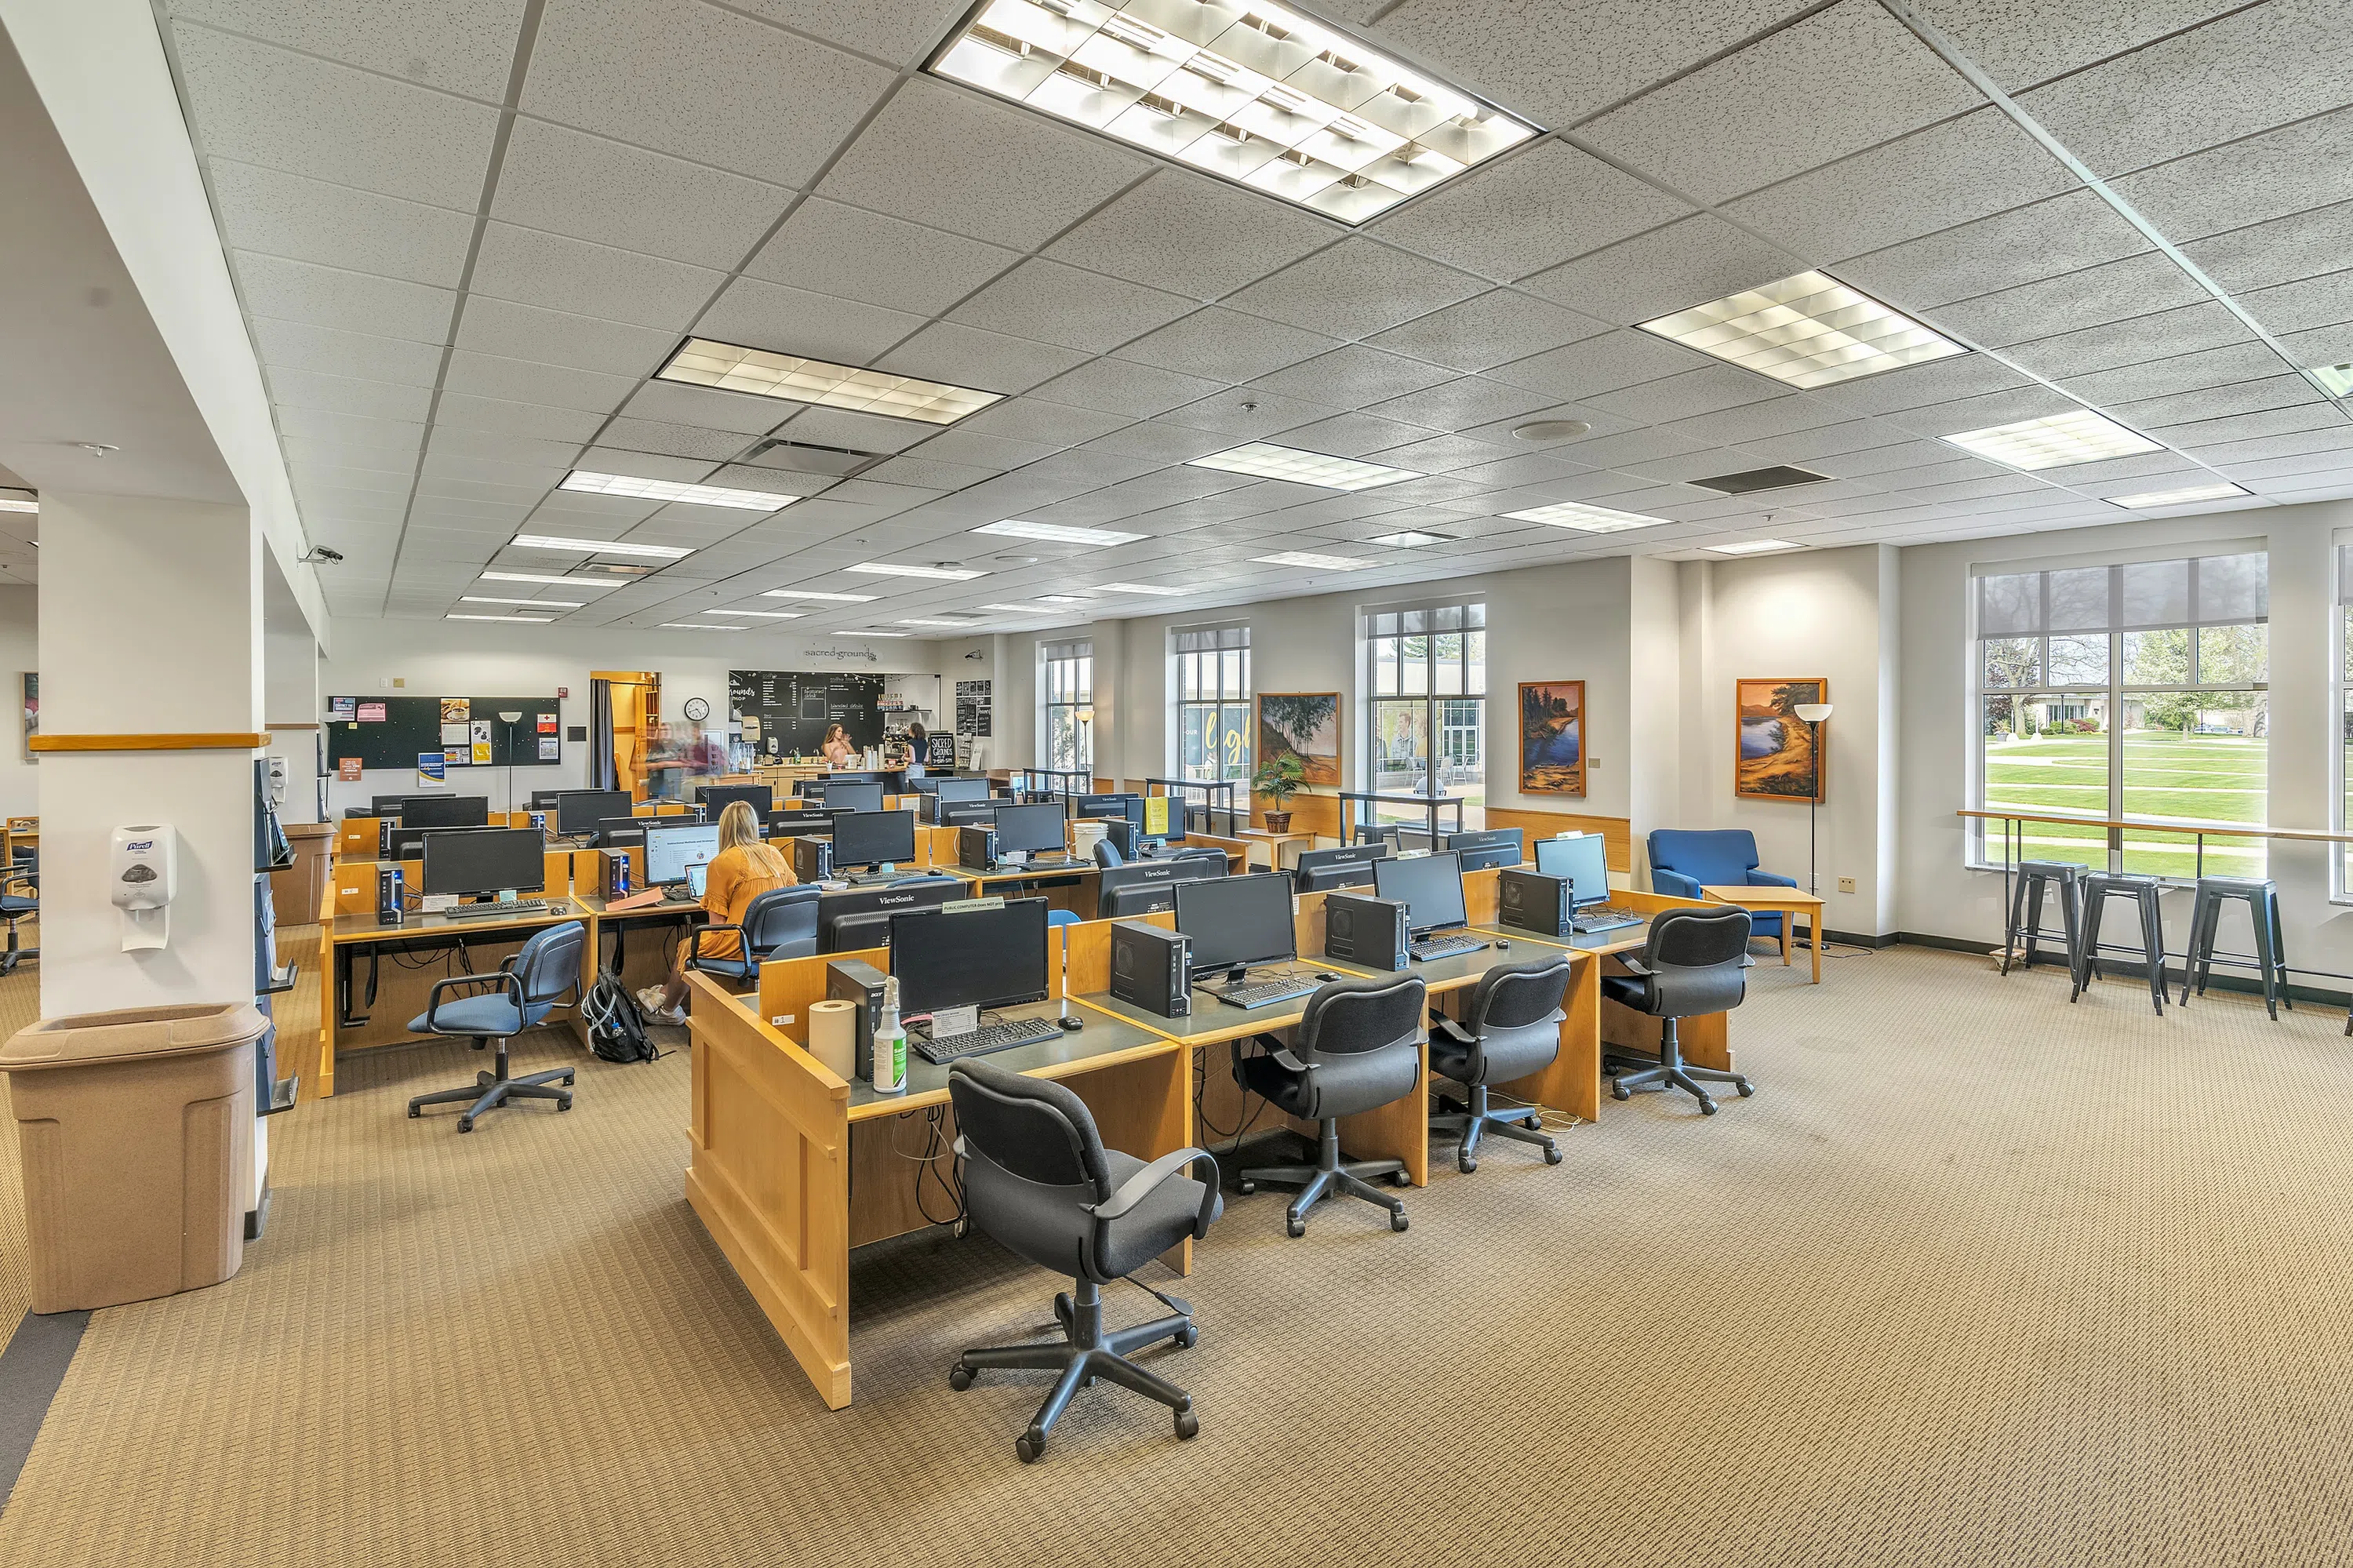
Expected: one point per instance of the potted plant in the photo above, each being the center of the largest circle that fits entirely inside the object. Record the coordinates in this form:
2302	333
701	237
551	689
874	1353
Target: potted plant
1279	779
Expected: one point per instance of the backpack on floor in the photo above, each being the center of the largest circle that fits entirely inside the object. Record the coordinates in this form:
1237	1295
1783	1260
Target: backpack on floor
617	1032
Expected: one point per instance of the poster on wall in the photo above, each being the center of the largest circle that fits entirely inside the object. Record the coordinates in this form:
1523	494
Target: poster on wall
455	710
1305	725
972	709
430	768
1552	737
482	743
347	769
30	684
347	709
1775	757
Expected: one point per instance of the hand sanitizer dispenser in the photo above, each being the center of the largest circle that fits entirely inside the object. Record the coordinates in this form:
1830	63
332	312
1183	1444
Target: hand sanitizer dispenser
143	872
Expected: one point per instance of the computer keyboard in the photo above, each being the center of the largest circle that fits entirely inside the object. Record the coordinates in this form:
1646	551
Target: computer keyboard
988	1037
678	893
1444	947
489	911
1603	917
1262	993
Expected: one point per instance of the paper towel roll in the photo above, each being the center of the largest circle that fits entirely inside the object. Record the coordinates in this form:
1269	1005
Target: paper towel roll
833	1036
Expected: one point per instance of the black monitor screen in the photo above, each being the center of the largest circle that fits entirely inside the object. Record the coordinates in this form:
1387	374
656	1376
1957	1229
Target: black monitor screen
1037	828
386	805
1348	854
1233	921
1491	846
674	843
579	810
1136	898
949	790
1128	806
717	797
615	831
969	957
489	860
841	796
445	811
876	905
967	813
1428	885
1583	862
870	837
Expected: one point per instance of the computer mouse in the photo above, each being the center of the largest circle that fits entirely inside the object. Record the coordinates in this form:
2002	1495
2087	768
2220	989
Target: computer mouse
1072	1024
1502	941
1326	975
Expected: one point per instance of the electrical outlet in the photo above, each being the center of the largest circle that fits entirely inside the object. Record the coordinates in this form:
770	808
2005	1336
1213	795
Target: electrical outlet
1846	885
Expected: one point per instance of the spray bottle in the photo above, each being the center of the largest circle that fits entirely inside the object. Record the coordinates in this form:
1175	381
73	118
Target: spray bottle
890	1042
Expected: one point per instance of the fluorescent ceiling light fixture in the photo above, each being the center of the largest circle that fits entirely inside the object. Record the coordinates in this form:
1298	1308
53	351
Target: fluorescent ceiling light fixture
2054	441
10	505
596	546
699	625
1022	608
1256	94
1753	547
762	614
870	634
892	569
545	577
829	598
2337	378
2149	498
1312	562
1586	519
1809	330
491	599
1058	532
954	623
700	362
1125	587
1412	538
672	490
517	619
1266	461
1060	599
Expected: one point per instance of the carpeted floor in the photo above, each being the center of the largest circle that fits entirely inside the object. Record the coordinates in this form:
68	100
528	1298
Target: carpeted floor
1978	1278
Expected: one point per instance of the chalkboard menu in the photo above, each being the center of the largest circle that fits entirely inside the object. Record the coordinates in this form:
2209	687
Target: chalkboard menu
785	712
972	708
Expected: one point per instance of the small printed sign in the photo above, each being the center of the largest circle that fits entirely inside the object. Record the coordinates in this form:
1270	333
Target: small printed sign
371	712
347	768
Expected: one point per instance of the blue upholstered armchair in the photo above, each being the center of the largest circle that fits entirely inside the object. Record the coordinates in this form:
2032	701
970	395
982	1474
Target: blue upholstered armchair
1684	861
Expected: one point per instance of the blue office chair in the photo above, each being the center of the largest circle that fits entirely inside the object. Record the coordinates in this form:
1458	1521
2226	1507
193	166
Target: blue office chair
778	924
1684	861
1107	855
20	899
525	989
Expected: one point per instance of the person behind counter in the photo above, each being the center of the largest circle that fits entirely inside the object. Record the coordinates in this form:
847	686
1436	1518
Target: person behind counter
836	748
918	747
746	866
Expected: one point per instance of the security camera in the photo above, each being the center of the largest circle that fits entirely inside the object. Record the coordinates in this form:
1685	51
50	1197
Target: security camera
974	654
320	556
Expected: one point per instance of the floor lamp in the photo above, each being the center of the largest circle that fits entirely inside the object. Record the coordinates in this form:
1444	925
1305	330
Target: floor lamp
511	720
1813	713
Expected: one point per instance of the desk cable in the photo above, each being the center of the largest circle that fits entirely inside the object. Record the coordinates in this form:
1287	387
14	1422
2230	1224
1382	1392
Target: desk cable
927	1163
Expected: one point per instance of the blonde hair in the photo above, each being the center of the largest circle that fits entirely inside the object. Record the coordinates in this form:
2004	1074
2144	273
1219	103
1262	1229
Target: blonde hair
739	828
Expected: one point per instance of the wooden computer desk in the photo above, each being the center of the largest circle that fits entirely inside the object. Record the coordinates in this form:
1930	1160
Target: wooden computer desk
1790	902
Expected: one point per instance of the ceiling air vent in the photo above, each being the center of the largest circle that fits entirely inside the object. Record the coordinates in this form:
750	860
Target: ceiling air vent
807	457
1759	479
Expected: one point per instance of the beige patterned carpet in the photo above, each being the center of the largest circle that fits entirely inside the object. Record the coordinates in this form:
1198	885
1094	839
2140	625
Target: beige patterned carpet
1978	1278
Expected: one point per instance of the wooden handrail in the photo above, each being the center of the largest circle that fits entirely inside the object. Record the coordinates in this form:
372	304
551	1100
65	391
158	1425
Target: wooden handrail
224	740
2185	825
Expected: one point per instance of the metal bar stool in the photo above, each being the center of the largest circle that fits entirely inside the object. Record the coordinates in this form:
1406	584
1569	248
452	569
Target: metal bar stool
2262	894
2026	907
2098	888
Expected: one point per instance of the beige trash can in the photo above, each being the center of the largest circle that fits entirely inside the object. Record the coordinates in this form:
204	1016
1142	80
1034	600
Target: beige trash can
137	1131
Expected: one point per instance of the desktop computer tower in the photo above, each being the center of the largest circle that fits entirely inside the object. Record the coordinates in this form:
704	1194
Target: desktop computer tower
812	859
1370	933
1531	901
615	876
856	981
977	848
1152	969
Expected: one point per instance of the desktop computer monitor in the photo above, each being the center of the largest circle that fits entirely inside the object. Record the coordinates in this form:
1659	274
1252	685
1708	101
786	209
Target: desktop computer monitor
1428	885
859	917
957	789
1489	846
484	860
967	813
853	797
1036	828
673	844
717	797
544	799
1128	806
1234	922
445	811
1314	868
385	805
1583	862
579	810
797	824
872	838
614	833
969	957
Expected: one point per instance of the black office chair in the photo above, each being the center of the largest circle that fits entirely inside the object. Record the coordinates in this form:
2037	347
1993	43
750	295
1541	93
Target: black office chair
527	988
778	924
1513	1029
1107	855
1389	833
1691	965
1038	1179
16	905
1358	1046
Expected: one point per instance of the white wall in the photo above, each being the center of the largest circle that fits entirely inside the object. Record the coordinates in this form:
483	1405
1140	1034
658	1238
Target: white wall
20	652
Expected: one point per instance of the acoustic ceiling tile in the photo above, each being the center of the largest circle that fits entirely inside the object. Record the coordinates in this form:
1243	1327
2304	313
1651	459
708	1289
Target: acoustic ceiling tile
1535	208
1600	365
967	356
2285	421
1123	387
2021	42
299	346
855	430
1055	303
2292	169
2298	307
1354	374
1488	330
349	302
589	187
898	31
2064	234
1354	435
2071	301
1265	414
671	402
539	336
280	213
2280	391
761	314
1984	412
1230	236
349	395
1050	426
1686	263
1165	442
2191	327
1225	345
2284	251
1459	404
537	420
529	266
643	465
853	254
2237	362
1915	385
457	46
1355	289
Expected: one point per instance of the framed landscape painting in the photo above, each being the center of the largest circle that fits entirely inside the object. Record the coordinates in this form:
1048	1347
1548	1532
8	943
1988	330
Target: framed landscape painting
1552	737
1305	723
1774	756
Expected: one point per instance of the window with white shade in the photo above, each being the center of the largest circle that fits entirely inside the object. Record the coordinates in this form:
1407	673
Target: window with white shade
2341	797
1426	709
1213	699
1067	679
2138	692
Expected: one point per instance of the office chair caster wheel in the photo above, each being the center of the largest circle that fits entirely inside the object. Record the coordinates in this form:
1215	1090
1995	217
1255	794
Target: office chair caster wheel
959	1377
1465	1163
1248	1187
1297	1227
961	1229
414	1113
1706	1107
464	1124
1551	1155
1400	1178
1618	1091
564	1104
1747	1088
1187	1426
1029	1444
1397	1219
482	1080
1186	1338
1534	1123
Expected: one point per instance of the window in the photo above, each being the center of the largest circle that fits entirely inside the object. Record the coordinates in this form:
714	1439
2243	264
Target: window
2342	889
1213	718
1069	682
1428	710
2134	691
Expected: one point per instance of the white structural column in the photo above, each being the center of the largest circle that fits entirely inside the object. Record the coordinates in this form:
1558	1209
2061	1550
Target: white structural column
150	624
289	712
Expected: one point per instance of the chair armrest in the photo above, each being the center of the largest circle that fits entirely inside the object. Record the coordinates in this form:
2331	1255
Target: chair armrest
1673	884
1746	962
1451	1031
1147	1181
1771	879
505	979
1635	966
30	878
694	941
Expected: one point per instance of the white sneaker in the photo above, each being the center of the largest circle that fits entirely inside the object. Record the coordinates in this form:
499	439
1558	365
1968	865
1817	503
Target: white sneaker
676	1019
649	1000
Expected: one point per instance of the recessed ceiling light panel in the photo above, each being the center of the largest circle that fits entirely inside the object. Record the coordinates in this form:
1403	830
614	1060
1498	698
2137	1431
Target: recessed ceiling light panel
1753	547
1585	519
699	625
701	362
2149	498
762	614
671	490
1125	587
1266	461
1809	330
1058	532
1310	561
597	546
893	569
516	620
10	503
827	598
492	598
1412	539
2054	441
1256	94
545	577
2337	378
